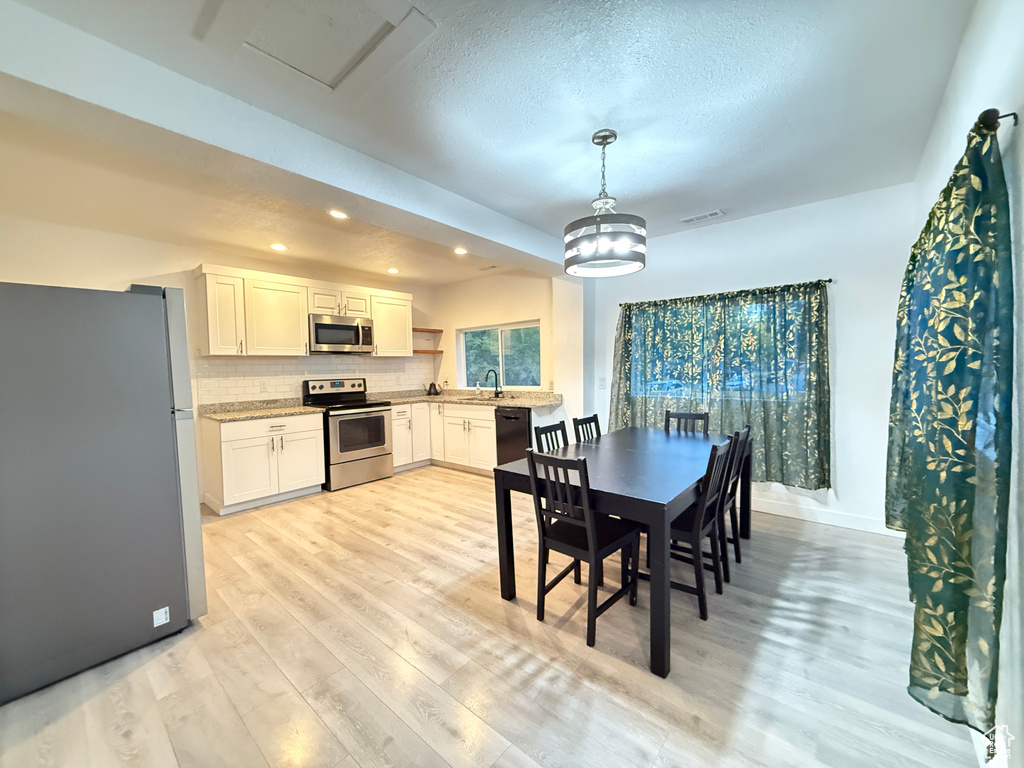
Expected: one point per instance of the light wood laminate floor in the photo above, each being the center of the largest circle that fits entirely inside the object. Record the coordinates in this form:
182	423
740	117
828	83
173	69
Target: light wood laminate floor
364	628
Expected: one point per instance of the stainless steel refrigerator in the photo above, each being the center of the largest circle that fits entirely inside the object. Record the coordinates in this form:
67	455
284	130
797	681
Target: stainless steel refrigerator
100	541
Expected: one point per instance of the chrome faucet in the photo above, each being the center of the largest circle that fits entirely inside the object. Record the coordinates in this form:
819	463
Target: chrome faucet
497	389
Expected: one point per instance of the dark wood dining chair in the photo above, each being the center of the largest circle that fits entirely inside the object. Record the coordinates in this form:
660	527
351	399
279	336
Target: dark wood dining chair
698	522
740	440
551	438
586	428
567	523
687	423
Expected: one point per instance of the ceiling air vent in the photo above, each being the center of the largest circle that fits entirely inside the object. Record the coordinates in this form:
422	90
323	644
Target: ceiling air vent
700	218
485	269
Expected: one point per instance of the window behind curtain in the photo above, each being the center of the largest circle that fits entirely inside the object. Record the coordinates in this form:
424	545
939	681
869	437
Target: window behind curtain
757	357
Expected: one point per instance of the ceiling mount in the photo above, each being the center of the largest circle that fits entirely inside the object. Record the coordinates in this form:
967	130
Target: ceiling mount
604	137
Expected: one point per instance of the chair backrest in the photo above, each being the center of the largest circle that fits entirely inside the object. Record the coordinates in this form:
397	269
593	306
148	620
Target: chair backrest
713	486
586	428
556	498
739	449
552	437
687	423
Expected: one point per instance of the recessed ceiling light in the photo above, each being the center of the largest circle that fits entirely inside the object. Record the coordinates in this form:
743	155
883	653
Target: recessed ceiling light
338	214
392	271
279	247
461	251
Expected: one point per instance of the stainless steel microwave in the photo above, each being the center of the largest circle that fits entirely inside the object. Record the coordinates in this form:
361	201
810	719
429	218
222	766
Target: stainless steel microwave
334	334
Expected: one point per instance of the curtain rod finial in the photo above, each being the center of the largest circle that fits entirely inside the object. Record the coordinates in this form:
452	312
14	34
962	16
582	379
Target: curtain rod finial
989	119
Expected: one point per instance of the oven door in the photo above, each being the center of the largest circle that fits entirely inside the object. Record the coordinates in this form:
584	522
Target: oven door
332	334
359	434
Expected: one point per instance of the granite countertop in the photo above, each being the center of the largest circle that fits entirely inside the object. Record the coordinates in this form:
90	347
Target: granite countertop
275	409
256	409
520	399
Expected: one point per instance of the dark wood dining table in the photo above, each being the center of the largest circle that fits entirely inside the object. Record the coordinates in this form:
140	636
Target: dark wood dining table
646	475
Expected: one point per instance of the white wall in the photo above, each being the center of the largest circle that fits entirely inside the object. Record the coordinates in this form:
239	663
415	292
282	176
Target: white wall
511	298
989	72
862	242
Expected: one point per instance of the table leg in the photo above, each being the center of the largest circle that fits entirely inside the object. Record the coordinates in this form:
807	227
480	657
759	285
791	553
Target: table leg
661	588
506	550
745	497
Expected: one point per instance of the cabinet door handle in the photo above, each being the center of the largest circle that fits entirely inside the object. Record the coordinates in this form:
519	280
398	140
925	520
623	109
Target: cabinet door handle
339	309
305	348
239	346
410	425
272	445
277	426
282	443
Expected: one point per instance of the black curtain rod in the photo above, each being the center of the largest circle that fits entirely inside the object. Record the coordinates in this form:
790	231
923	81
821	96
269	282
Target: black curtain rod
990	118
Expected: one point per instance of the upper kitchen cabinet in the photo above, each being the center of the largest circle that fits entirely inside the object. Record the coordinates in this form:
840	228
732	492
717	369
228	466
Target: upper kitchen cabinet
392	326
355	304
244	312
276	318
324	301
224	298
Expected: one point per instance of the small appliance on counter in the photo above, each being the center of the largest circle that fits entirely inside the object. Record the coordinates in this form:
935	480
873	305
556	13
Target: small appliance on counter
357	431
432	390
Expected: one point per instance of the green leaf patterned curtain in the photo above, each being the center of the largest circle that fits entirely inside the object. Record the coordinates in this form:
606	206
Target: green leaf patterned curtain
757	357
949	436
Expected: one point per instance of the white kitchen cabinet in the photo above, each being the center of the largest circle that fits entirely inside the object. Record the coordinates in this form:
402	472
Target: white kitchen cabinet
401	435
225	315
421	448
392	326
250	469
248	463
276	318
324	301
456	440
483	447
355	304
436	430
300	460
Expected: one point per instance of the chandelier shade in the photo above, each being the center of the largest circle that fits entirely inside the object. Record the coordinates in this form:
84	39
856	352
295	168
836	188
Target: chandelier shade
606	244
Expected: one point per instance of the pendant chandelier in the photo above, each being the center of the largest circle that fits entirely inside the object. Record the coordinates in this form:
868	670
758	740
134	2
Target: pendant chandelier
607	244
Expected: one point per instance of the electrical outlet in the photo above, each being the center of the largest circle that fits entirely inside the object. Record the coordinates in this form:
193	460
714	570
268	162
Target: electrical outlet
264	386
161	616
602	383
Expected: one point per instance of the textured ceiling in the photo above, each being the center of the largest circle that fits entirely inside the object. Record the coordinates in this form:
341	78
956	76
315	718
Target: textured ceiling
51	174
748	106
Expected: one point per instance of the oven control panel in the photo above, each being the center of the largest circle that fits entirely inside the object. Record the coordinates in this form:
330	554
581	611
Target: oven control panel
326	386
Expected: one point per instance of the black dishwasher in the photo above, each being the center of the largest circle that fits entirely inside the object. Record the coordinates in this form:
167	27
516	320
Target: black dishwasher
512	426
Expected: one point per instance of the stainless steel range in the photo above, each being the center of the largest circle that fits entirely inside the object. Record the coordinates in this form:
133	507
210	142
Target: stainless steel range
357	444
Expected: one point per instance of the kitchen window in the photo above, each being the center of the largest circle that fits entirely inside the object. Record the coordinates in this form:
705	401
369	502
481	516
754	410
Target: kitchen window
511	350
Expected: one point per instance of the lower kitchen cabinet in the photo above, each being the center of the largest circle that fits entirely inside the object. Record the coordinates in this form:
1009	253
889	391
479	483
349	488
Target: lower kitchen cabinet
436	430
469	436
410	434
248	463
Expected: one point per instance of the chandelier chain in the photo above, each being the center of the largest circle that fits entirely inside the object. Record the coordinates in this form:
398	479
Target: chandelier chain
604	191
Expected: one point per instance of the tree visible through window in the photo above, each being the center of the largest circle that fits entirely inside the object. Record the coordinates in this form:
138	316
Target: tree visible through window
513	352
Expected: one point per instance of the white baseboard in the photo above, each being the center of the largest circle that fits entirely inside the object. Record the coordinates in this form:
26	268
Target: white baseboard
826	516
214	504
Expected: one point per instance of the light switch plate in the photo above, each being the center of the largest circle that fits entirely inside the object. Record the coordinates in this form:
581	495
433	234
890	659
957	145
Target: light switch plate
161	616
602	383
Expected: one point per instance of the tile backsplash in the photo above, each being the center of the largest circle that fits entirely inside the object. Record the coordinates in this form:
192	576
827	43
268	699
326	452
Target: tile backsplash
234	379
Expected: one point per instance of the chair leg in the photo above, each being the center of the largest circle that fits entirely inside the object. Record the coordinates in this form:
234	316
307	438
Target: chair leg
716	555
591	605
734	519
698	574
634	571
600	573
577	575
624	557
542	561
723	547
